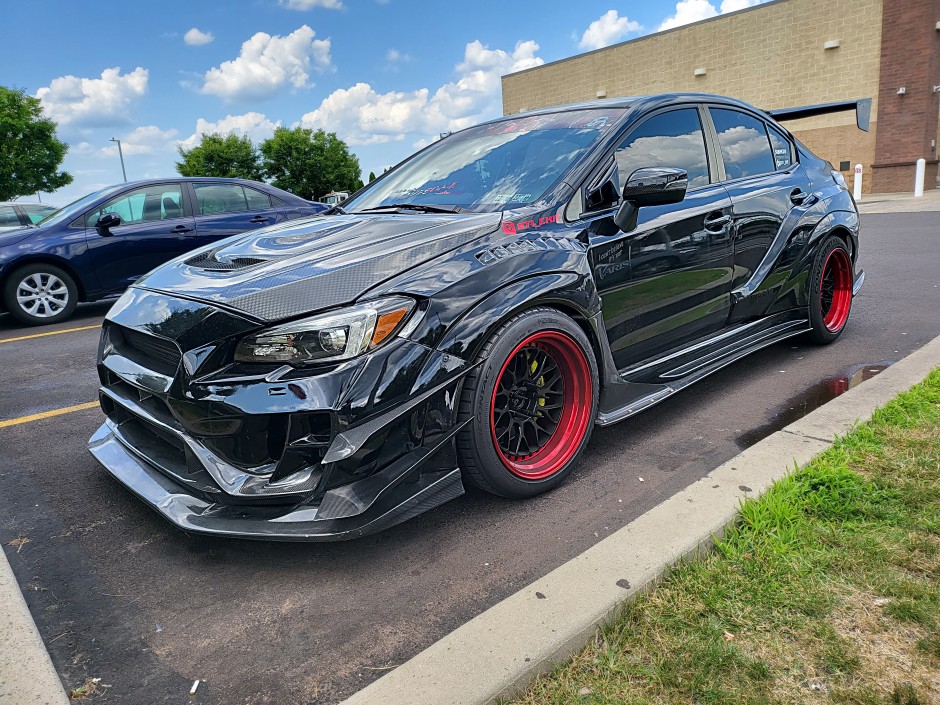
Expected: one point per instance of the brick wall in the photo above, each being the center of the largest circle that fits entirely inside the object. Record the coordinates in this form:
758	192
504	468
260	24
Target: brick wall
910	57
771	56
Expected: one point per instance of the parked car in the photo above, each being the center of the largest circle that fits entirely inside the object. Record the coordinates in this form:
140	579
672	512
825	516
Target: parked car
97	246
470	316
18	214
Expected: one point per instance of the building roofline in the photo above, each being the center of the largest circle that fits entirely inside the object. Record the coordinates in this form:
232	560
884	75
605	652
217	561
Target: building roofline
645	37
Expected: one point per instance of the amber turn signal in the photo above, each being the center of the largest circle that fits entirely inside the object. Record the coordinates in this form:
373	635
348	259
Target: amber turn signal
386	324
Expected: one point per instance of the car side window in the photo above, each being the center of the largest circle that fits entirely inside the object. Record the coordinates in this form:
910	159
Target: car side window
37	213
670	139
8	217
150	203
783	152
256	199
217	199
745	147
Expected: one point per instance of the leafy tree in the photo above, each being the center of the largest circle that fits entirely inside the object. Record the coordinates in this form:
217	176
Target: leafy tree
371	176
31	152
228	156
310	164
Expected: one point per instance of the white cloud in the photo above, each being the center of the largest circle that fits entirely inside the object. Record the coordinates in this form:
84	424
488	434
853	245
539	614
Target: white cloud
608	29
303	5
254	125
360	115
94	102
149	139
267	63
688	11
196	37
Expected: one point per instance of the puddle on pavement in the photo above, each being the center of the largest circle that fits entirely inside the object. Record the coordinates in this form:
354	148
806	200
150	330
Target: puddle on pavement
811	399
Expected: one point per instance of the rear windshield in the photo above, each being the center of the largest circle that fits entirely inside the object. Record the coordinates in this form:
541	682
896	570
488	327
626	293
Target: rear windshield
500	165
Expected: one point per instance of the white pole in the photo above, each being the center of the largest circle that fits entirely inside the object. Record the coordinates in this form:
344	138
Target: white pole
919	178
858	183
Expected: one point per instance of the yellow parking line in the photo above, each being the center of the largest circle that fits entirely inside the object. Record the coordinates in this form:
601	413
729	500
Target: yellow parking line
52	332
48	414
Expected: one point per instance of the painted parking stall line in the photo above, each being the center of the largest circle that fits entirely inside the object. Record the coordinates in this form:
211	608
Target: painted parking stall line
48	414
52	332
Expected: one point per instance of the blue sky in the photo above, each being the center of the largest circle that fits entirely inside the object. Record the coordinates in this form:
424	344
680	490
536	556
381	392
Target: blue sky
386	75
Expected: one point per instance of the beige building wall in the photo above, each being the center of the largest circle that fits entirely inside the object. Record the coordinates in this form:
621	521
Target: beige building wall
771	56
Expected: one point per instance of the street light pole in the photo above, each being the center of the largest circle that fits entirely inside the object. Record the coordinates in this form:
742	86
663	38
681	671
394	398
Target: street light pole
121	154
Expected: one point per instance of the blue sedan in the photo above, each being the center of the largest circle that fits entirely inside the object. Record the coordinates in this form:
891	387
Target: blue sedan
97	246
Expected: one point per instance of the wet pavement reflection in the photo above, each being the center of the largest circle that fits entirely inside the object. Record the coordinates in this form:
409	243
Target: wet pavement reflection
811	399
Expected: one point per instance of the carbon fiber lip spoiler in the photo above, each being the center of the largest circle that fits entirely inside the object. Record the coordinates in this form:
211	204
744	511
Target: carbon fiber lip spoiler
861	107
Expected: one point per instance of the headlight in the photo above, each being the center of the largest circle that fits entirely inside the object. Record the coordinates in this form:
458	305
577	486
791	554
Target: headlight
338	335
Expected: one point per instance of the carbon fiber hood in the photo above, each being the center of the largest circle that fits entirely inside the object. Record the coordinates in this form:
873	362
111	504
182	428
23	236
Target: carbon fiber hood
312	264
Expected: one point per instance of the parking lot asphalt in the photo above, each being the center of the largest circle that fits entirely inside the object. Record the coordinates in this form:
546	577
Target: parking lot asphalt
120	595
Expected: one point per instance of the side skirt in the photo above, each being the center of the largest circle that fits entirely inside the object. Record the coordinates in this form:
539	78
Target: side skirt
678	370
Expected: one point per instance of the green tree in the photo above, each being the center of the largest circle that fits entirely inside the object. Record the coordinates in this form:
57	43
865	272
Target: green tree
31	152
371	176
310	164
228	156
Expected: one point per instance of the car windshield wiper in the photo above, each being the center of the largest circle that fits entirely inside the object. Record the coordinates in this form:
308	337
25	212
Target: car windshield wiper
414	207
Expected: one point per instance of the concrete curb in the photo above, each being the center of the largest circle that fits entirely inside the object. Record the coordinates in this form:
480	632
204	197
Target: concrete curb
500	651
26	671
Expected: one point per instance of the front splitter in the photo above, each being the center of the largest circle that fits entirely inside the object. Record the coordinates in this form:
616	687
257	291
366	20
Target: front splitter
293	523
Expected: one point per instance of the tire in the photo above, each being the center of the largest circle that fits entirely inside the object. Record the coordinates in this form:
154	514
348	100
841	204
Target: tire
830	292
40	294
528	432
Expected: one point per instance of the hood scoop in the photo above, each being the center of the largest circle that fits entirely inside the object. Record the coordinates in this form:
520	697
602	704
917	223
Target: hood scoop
212	262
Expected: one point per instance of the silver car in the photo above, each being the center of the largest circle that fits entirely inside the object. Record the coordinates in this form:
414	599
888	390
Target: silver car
18	214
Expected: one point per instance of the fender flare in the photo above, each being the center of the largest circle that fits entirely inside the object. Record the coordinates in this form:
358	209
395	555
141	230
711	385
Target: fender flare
572	293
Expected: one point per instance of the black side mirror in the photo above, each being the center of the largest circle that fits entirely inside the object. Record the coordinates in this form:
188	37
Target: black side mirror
106	222
652	186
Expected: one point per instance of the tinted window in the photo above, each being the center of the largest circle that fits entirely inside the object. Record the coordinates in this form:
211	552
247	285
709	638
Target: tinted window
37	213
673	139
783	153
744	144
257	200
215	199
150	203
8	217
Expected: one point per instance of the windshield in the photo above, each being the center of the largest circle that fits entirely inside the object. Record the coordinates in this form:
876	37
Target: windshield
75	207
506	164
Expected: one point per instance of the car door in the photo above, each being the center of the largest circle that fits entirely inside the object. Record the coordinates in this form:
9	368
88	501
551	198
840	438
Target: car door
667	281
224	209
155	227
767	186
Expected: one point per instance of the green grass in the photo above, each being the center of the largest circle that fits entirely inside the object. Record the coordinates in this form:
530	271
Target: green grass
826	590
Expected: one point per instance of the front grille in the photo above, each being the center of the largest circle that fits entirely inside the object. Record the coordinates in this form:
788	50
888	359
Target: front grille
157	354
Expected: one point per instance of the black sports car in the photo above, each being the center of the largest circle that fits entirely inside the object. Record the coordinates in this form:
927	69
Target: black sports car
470	316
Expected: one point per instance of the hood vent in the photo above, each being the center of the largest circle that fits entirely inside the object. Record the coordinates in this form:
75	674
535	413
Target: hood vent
209	262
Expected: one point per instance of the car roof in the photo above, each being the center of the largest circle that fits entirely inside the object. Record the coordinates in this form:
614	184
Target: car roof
25	203
637	102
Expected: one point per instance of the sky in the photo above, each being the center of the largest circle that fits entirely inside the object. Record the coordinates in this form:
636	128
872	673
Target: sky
387	76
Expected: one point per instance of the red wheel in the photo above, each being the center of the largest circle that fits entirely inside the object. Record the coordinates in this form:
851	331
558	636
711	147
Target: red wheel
830	294
835	290
529	406
543	399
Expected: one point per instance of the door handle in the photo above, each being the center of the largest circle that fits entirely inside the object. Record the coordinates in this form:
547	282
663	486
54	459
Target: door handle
801	198
259	219
180	229
716	222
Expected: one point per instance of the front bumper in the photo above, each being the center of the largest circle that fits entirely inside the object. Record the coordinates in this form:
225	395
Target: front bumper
318	455
299	522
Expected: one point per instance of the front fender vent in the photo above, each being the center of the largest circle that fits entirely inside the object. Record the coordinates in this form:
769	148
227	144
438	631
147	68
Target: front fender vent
520	247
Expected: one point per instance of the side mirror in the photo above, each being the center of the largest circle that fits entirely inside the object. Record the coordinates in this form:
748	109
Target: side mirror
652	186
106	222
